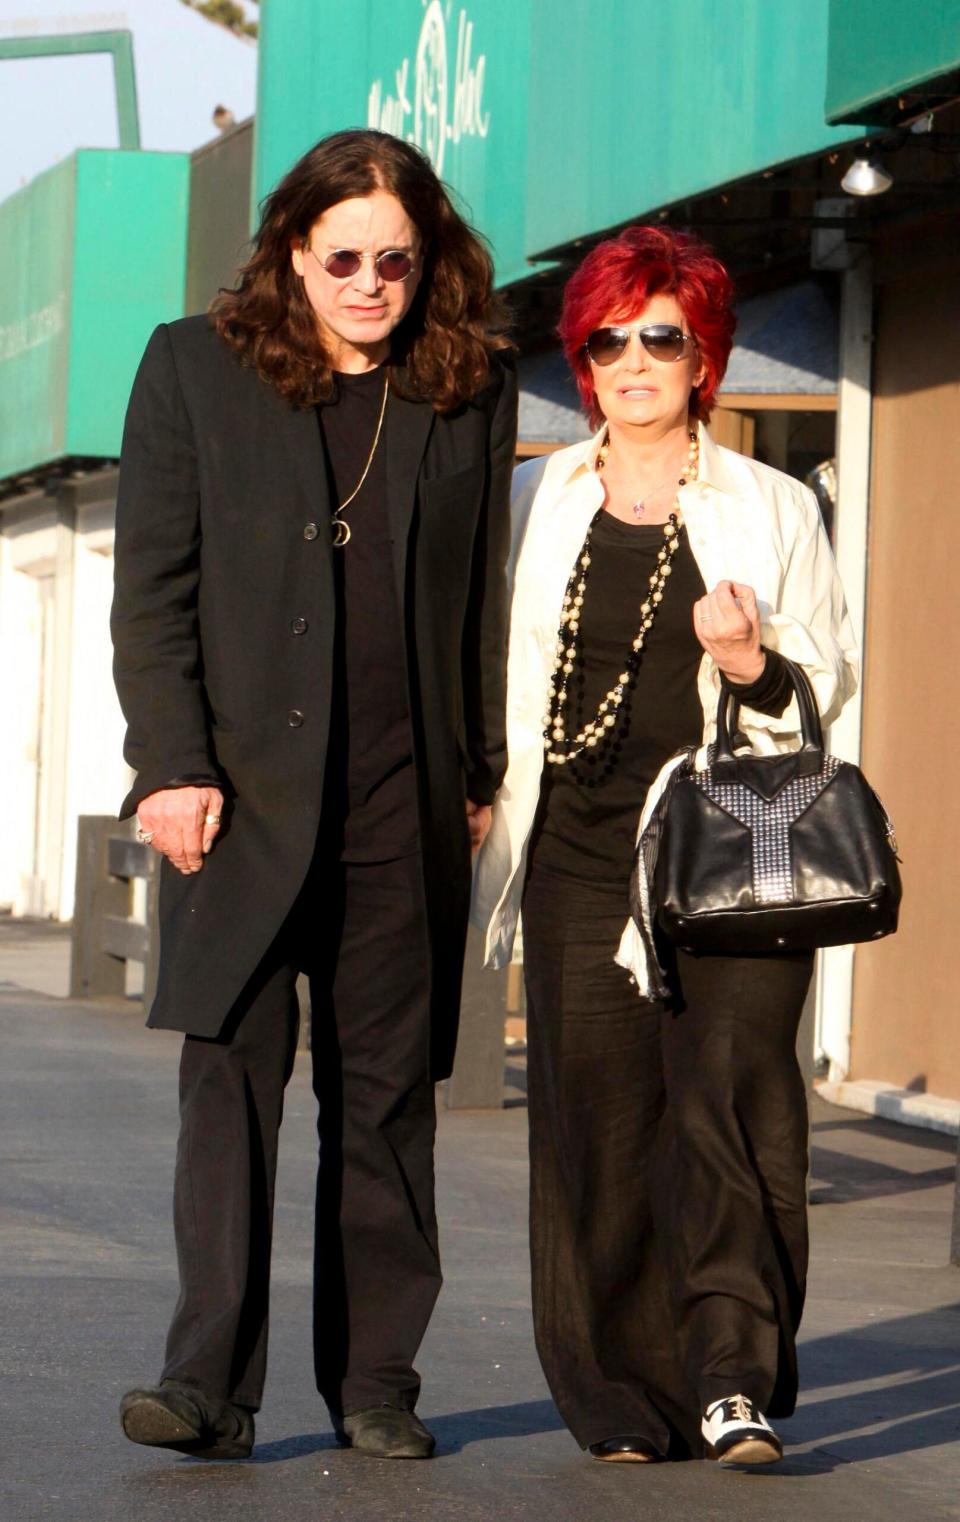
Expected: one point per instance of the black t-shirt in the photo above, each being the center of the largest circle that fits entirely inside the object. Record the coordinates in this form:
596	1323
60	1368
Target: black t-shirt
370	800
587	819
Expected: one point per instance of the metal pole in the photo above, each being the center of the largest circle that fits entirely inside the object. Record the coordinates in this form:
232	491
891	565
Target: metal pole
854	402
118	44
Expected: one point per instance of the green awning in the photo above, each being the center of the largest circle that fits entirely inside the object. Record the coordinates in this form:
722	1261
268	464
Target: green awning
450	77
641	106
553	122
888	59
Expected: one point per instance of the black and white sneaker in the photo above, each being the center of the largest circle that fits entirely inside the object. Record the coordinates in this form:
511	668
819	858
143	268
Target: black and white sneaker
737	1432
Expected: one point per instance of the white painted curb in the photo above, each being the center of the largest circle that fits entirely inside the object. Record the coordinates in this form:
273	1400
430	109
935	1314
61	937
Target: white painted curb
929	1111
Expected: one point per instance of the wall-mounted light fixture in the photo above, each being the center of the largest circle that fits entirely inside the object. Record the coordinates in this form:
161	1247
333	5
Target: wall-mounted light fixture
866	177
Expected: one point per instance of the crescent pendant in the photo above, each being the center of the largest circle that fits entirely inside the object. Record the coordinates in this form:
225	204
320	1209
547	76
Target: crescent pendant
341	529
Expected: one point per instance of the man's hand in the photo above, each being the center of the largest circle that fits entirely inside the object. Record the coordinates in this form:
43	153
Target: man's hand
727	624
479	816
183	823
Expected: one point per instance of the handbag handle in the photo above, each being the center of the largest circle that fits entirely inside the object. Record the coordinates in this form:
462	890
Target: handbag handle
810	727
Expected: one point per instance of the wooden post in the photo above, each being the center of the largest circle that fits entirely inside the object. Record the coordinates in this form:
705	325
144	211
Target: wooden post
151	966
105	937
94	972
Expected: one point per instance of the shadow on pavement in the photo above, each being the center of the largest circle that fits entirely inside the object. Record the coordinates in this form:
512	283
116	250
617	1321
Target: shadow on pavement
794	1466
525	1419
856	1178
454	1432
912	1368
886	1130
298	1447
839	1177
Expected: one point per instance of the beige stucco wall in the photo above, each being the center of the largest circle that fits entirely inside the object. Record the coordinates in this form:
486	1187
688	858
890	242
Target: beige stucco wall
906	1012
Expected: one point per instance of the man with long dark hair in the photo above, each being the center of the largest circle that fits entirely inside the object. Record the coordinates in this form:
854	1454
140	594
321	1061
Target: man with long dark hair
309	625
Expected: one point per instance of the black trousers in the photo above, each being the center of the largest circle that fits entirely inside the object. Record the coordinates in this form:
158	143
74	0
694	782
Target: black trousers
360	933
668	1153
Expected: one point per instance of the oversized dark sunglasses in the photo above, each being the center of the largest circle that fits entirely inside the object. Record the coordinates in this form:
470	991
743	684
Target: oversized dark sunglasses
392	264
662	340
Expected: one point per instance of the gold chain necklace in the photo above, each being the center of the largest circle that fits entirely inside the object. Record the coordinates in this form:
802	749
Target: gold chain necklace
559	747
340	526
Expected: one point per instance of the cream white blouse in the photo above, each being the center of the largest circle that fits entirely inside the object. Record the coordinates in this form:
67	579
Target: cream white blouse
746	522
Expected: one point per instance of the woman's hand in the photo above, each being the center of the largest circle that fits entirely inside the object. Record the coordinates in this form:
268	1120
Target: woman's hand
479	816
183	823
727	624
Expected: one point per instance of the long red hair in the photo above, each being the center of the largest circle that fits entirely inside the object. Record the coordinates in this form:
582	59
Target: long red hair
621	274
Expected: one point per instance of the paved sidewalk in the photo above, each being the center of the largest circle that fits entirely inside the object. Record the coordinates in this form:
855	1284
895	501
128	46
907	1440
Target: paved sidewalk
88	1100
35	954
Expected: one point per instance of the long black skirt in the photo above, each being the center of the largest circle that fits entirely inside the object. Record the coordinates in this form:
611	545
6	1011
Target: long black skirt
668	1154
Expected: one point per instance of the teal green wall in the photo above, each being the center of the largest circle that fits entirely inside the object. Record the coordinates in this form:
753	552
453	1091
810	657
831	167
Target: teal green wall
635	104
880	47
130	266
324	68
36	266
92	257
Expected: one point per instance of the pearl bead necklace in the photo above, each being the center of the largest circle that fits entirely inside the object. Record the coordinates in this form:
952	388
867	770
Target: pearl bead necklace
558	746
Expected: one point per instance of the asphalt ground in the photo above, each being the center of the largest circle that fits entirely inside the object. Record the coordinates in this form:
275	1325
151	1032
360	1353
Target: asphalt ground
87	1284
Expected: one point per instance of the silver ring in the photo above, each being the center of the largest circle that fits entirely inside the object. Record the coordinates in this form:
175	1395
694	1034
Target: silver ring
707	618
145	836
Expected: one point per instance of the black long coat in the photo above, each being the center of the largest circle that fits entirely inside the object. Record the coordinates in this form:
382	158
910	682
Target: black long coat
223	541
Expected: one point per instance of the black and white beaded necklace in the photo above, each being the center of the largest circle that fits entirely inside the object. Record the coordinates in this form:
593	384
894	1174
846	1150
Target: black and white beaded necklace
599	731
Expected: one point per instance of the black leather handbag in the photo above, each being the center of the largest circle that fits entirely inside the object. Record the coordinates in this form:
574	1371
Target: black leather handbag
774	853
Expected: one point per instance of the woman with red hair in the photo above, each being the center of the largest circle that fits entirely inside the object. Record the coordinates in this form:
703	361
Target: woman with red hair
668	1134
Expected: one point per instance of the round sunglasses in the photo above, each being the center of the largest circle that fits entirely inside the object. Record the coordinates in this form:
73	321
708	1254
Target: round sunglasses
341	263
662	340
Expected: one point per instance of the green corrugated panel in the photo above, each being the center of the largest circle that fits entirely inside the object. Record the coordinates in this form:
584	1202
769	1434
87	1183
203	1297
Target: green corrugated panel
879	48
36	261
92	257
129	274
452	77
635	104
